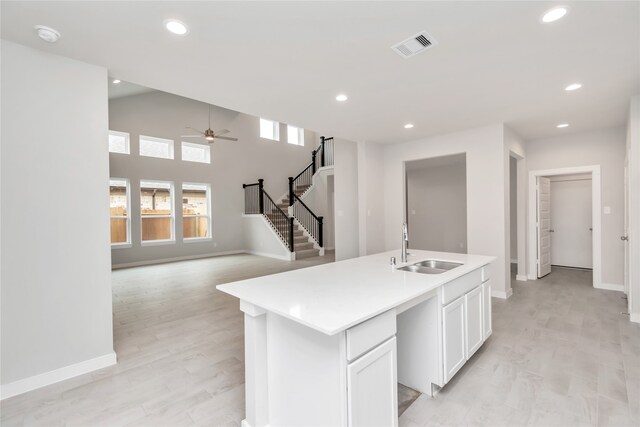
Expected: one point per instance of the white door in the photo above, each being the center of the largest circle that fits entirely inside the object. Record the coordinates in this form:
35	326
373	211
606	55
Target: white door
626	228
372	384
543	210
453	347
486	308
473	321
571	242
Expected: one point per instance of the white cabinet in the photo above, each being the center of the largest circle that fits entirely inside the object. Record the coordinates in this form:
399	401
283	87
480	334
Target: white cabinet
473	303
372	388
453	337
486	306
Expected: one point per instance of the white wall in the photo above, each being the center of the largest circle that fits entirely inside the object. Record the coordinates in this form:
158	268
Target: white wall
261	239
346	199
633	152
371	197
487	204
56	280
437	208
607	149
164	115
320	199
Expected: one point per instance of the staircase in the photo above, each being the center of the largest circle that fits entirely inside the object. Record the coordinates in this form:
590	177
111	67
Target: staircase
295	224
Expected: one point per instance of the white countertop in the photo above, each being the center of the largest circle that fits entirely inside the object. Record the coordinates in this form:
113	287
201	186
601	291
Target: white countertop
336	296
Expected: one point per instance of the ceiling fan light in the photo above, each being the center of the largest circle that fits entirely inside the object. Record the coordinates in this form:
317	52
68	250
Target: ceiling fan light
208	138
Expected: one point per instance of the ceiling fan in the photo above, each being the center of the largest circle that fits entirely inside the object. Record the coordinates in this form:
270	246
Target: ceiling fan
210	135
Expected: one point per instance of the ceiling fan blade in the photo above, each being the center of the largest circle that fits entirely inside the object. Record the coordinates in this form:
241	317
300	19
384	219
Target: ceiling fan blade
225	138
221	132
190	136
189	127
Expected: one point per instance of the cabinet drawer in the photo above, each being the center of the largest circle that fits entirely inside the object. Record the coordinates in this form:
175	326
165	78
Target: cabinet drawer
460	286
369	334
486	272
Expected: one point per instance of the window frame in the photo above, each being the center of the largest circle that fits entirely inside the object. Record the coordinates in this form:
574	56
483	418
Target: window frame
208	215
275	129
205	148
169	142
300	133
128	243
172	216
127	141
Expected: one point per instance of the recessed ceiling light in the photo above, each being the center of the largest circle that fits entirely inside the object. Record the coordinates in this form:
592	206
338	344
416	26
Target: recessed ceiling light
554	14
342	97
563	125
408	126
47	34
116	81
573	86
176	27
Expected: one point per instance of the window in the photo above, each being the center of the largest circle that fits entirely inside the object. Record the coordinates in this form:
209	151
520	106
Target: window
196	212
118	142
156	211
196	152
156	147
119	212
269	129
295	135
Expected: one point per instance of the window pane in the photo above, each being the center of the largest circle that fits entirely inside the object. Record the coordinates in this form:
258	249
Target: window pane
195	226
118	207
156	228
118	197
295	135
194	199
119	230
196	152
155	201
156	147
118	142
269	129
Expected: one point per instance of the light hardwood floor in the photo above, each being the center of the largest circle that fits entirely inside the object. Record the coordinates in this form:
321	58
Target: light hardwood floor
560	354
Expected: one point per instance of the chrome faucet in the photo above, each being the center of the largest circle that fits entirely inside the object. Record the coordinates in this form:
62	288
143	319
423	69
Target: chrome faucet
405	242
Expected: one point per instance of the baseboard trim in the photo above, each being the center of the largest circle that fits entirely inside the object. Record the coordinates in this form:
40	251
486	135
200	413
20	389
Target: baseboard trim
634	317
610	287
41	380
289	257
521	277
174	259
500	294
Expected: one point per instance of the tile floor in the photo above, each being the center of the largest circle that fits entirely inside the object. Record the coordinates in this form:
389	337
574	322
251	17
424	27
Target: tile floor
560	354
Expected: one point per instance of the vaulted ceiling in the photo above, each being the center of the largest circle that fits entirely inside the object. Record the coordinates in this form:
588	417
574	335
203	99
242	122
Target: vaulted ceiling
493	62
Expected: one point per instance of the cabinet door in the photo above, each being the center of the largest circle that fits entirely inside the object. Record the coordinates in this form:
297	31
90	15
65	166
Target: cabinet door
473	303
486	307
373	389
453	338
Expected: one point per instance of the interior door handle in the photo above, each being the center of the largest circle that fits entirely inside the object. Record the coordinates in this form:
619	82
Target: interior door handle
552	230
625	238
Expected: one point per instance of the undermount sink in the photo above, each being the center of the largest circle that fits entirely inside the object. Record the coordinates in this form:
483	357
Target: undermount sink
431	266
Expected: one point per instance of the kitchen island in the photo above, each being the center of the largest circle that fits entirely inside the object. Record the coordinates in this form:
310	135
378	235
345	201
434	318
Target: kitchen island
326	345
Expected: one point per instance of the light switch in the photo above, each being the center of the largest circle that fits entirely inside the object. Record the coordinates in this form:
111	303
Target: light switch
340	213
368	212
413	211
607	210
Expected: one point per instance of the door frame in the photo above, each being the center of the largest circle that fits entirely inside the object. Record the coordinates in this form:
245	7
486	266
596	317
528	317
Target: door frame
596	208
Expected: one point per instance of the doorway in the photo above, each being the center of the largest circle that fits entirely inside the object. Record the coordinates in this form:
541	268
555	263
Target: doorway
565	222
436	203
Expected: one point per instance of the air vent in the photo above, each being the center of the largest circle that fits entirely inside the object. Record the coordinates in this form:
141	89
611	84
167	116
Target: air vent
414	45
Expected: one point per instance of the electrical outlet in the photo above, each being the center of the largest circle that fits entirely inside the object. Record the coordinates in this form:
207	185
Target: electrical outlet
607	210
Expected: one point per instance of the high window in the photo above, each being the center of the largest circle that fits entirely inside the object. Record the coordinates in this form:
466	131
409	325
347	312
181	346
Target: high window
196	152
156	147
196	211
295	135
118	142
119	211
156	211
269	129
